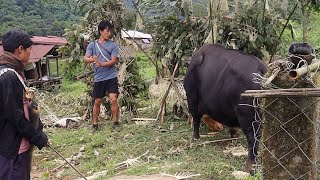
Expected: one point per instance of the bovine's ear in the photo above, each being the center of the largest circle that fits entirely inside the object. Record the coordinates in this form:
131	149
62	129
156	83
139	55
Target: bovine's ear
198	59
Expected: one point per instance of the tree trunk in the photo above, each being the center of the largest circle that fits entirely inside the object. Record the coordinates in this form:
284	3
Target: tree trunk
236	7
187	8
304	23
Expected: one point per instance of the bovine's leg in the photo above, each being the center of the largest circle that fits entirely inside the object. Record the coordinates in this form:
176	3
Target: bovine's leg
234	133
180	111
196	126
246	118
175	109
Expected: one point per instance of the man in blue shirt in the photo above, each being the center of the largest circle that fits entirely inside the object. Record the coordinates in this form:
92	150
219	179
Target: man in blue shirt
104	53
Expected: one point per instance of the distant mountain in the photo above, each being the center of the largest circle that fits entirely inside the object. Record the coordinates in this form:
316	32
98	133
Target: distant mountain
42	17
37	17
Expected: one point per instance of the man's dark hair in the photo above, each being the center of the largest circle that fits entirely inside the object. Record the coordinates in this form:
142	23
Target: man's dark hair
104	25
13	39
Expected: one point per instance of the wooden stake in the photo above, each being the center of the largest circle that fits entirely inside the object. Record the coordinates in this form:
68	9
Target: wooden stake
161	111
144	119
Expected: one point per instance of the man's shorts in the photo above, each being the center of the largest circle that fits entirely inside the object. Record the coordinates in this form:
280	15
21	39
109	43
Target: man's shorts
100	89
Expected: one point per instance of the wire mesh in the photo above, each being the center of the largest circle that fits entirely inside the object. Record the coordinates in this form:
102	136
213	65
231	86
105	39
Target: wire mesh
289	129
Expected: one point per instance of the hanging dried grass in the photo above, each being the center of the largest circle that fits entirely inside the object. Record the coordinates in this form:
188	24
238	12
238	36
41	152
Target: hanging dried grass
122	73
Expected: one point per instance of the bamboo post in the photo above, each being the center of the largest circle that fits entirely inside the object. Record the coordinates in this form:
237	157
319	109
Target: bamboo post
163	101
236	7
48	67
164	98
289	129
57	65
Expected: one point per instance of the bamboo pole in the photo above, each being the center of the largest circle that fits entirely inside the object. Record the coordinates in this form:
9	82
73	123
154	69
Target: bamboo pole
297	92
285	90
219	140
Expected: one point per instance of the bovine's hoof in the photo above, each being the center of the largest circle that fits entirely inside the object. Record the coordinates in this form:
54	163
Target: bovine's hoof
196	138
234	132
249	167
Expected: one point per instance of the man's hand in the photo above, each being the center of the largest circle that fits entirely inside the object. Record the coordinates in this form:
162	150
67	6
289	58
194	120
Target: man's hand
96	61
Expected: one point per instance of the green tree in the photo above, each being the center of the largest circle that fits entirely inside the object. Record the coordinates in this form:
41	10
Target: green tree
37	17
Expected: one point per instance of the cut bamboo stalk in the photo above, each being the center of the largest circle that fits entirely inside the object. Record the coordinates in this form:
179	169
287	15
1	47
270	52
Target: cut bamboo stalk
271	78
296	73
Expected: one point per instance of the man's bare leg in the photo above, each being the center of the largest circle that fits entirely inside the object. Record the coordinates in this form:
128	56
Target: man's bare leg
95	114
114	108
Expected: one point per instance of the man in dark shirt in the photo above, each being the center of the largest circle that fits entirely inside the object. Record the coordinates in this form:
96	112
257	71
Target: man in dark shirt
16	132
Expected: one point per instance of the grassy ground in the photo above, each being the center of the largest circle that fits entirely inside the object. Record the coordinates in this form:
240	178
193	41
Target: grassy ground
168	148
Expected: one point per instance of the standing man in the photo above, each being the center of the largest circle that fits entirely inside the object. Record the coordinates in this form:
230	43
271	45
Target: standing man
16	132
103	53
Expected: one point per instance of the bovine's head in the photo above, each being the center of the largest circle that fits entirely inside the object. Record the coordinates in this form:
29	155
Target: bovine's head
301	51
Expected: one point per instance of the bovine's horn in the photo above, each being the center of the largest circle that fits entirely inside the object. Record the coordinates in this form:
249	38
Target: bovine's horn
296	73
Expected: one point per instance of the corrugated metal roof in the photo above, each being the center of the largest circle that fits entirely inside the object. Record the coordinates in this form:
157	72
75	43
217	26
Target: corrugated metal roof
37	51
145	41
135	34
42	46
48	40
55	40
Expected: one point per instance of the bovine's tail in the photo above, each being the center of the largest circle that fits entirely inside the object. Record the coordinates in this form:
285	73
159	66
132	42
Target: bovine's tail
191	86
263	69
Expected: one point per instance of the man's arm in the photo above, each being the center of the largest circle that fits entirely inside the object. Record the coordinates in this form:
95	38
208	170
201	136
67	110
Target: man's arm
88	57
112	62
16	116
